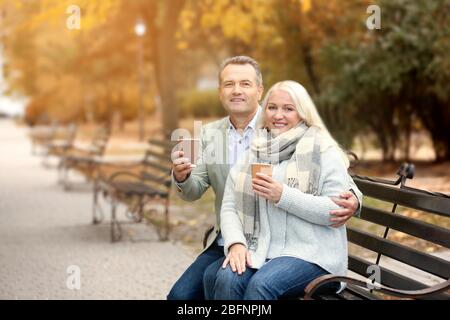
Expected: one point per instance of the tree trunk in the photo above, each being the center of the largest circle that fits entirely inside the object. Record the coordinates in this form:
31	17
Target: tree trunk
310	69
435	117
165	56
305	47
408	138
441	146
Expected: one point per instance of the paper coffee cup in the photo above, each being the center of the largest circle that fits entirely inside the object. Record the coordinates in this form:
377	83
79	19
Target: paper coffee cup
264	168
190	148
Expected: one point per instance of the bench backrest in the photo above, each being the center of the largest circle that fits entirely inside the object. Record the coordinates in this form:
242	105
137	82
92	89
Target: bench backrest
157	162
43	134
71	133
412	214
100	140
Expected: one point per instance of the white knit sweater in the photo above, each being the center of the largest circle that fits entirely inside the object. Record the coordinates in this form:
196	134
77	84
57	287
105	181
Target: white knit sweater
299	224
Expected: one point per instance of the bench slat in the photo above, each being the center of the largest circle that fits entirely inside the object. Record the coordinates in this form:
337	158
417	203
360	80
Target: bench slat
360	293
138	188
412	257
416	228
157	165
158	155
408	198
387	277
344	295
166	180
100	141
166	145
390	278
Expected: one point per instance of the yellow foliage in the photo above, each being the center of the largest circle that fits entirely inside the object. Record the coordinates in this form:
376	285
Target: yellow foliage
186	18
182	45
238	19
54	13
237	24
306	5
96	67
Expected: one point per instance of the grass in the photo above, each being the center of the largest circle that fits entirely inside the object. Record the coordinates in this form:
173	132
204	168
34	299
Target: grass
190	220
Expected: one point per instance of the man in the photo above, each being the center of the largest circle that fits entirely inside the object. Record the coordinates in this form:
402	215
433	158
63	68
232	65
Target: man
221	143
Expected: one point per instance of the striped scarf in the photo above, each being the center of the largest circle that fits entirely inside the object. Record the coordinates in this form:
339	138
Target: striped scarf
301	147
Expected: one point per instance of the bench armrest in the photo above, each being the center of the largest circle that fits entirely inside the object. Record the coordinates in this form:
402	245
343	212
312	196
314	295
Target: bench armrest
412	294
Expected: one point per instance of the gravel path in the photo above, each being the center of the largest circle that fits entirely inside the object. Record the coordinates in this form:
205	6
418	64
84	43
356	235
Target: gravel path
47	239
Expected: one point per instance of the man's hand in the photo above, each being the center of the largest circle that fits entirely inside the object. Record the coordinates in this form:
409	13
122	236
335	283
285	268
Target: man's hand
267	188
181	167
349	204
238	257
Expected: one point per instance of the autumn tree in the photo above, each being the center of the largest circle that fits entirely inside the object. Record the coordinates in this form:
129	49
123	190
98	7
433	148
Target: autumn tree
395	76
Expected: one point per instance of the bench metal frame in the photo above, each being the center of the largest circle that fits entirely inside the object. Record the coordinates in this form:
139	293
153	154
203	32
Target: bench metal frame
151	185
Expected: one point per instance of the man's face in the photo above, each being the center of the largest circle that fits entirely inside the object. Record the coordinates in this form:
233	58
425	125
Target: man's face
239	91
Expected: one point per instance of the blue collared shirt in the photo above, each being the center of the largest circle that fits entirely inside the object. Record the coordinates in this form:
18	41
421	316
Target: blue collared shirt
239	142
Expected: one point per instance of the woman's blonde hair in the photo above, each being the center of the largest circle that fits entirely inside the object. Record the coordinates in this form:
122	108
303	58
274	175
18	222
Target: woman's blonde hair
306	109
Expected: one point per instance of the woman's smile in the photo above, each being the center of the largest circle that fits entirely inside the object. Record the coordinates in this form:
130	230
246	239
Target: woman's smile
281	113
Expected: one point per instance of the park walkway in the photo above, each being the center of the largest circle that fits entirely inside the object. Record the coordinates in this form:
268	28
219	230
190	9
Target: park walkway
45	230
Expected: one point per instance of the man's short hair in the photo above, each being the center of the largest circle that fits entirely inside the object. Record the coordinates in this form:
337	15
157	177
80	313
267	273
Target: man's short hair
242	60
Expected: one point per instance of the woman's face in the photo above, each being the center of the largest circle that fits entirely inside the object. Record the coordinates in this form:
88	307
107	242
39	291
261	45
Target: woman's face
281	114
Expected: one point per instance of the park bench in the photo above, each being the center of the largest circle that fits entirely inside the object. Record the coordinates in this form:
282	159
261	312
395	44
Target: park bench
400	282
84	159
42	135
137	185
58	146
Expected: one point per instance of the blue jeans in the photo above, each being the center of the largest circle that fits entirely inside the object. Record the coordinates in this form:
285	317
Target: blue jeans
209	278
190	285
282	277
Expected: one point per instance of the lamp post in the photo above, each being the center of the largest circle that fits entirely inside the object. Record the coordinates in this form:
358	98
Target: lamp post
140	30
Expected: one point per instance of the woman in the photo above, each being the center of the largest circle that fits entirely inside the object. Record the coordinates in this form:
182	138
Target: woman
277	229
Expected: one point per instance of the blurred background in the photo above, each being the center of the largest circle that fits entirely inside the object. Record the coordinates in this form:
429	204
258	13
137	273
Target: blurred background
145	67
130	59
124	61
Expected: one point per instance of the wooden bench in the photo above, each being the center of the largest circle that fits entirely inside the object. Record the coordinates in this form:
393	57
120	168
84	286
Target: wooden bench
136	184
58	146
396	279
42	135
83	159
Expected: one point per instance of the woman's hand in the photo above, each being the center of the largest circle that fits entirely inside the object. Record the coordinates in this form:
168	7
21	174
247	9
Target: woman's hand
267	188
238	256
